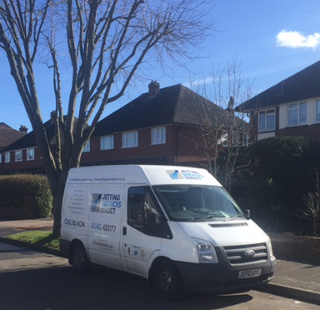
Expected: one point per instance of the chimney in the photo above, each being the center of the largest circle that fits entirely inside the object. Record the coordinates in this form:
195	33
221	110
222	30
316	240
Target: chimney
23	129
154	88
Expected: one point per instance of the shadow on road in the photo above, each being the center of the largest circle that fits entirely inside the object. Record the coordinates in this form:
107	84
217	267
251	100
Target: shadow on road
62	288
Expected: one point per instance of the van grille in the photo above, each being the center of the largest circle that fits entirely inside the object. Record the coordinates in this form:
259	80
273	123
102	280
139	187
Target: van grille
246	253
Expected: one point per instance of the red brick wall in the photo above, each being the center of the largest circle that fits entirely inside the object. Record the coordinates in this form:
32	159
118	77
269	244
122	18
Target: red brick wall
184	144
311	132
24	165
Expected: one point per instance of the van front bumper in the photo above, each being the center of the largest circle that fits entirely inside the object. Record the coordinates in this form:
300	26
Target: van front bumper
222	279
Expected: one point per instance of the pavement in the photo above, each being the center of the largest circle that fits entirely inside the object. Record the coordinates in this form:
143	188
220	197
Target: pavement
293	279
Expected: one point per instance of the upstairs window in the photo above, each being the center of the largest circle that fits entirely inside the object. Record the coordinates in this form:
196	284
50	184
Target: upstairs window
106	143
130	139
267	120
318	111
18	155
30	154
86	148
158	135
245	139
297	114
7	157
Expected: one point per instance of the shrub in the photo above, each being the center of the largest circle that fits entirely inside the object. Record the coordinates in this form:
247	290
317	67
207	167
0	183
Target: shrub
17	190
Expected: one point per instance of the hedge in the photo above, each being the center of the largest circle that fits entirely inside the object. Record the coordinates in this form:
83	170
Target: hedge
25	196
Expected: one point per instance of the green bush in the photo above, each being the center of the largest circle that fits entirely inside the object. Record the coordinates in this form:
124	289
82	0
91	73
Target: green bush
279	175
16	189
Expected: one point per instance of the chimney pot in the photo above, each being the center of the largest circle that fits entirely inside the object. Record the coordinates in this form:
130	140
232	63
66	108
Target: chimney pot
23	129
154	88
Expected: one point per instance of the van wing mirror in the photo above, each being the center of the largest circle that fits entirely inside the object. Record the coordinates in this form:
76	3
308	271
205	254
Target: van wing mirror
247	214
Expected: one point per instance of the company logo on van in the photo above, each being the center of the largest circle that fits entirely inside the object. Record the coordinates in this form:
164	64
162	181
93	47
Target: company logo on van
185	174
105	203
175	174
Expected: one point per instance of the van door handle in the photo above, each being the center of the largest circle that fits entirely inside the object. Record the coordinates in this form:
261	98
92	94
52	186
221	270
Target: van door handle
124	230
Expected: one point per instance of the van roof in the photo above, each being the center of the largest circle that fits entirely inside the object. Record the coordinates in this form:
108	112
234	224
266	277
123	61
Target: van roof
141	174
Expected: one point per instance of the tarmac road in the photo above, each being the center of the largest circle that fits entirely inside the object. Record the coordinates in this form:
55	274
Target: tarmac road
31	280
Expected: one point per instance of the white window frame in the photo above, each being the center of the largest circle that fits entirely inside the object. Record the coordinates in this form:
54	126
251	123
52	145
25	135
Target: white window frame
130	139
18	155
267	116
299	118
158	135
7	157
245	139
86	148
318	111
106	143
30	153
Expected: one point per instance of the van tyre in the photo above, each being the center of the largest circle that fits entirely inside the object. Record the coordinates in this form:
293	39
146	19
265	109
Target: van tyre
168	281
80	259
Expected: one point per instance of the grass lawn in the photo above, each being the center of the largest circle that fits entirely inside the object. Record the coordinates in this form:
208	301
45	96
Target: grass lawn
37	237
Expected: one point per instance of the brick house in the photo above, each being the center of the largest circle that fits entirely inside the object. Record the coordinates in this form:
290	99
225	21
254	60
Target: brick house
161	126
9	135
23	155
289	108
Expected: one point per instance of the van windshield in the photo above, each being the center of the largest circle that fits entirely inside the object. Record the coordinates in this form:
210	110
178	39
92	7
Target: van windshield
187	203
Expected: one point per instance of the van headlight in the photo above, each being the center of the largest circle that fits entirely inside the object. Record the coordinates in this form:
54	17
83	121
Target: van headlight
206	251
269	245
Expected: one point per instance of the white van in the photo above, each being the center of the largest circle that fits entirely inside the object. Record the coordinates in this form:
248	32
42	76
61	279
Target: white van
176	226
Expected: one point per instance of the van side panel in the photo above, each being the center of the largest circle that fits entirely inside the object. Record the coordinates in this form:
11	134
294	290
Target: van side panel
74	221
105	211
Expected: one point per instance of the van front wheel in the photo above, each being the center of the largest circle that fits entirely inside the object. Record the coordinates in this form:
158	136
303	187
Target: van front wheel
79	259
168	281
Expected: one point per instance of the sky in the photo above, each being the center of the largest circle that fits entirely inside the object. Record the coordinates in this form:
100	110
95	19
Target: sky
271	40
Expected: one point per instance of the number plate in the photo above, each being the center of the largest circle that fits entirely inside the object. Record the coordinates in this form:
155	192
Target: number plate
253	273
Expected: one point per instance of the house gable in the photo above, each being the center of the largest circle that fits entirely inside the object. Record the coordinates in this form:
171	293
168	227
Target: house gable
291	107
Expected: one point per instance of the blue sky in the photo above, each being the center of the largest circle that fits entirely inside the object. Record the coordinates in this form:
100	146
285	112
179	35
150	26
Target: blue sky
272	39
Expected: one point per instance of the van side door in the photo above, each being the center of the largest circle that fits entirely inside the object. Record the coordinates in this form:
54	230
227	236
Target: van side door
143	230
104	225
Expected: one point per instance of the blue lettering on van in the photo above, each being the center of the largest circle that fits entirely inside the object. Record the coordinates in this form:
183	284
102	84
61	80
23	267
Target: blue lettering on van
193	175
111	200
96	226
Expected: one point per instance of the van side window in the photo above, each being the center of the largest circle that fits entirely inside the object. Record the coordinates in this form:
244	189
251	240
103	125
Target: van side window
144	213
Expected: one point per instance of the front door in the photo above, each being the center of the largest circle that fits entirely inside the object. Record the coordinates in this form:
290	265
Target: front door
143	231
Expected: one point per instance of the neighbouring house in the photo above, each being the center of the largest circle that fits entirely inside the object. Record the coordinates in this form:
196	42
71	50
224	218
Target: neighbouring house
289	108
161	126
9	135
23	155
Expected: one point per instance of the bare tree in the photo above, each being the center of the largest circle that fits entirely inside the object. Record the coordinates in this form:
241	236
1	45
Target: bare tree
105	43
311	210
223	131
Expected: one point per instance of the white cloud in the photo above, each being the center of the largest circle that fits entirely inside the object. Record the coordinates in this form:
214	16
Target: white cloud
295	39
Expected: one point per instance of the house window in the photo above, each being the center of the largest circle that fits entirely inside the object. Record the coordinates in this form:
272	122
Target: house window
130	139
318	111
30	154
158	135
297	114
267	120
86	148
0	158
18	155
245	139
7	157
106	143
